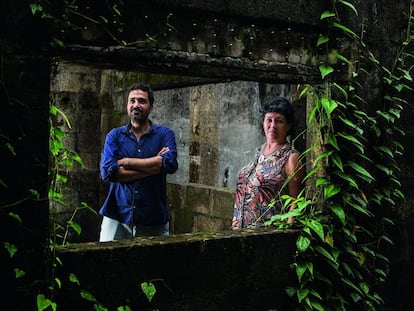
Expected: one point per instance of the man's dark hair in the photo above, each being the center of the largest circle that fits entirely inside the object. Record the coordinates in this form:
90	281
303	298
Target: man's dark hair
142	87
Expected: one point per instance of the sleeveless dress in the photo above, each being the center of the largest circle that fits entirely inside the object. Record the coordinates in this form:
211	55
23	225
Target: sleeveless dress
260	181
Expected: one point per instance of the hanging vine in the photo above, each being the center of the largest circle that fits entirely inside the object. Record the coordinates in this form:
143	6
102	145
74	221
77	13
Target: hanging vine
341	258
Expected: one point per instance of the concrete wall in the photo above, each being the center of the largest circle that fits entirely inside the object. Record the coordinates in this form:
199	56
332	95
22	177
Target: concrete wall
216	124
199	208
204	271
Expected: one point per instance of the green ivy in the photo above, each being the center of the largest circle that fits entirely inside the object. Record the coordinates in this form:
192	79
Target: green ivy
341	251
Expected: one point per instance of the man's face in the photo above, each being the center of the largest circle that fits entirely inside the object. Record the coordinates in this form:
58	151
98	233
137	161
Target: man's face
138	106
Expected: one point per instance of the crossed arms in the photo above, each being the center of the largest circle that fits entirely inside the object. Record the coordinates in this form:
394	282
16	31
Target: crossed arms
137	168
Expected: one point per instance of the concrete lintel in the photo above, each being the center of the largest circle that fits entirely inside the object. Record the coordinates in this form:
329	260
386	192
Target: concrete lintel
204	65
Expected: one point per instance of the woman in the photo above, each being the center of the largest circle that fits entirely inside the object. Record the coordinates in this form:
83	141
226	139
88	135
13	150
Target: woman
275	170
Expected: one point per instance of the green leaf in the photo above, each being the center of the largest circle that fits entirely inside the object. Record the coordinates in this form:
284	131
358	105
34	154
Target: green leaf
336	55
312	115
325	253
11	248
290	291
350	5
78	159
322	181
321	157
43	303
345	29
355	297
35	8
63	115
339	212
380	256
385	150
324	278
406	74
337	161
303	91
302	243
87	295
387	239
388	221
385	115
352	125
352	285
317	227
325	70
73	278
327	14
381	272
149	290
312	172
75	226
116	10
352	139
361	209
124	308
362	171
309	266
300	270
331	190
347	178
19	273
316	305
315	294
58	282
104	19
322	40
347	268
302	294
329	105
342	90
331	139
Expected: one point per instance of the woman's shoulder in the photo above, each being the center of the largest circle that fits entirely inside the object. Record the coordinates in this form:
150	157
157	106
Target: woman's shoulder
290	148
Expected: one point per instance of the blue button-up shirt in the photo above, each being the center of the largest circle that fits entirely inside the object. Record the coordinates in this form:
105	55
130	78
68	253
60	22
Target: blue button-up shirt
142	202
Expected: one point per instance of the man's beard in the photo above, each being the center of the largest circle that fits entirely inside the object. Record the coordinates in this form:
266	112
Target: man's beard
138	119
138	116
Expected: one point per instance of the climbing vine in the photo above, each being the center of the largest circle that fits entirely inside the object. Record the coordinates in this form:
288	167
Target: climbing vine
341	259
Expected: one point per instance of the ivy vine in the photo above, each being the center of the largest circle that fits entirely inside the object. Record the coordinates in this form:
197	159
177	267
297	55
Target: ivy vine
341	259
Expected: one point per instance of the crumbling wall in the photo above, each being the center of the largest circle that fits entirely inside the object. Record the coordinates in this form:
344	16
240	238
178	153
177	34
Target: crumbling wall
203	271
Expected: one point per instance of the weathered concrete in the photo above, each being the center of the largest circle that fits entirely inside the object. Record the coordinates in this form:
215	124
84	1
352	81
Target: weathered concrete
199	208
204	271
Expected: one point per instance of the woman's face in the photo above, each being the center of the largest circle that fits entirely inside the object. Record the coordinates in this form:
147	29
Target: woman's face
275	126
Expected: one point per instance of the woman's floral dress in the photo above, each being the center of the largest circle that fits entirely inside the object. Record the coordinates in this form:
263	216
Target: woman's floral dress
260	181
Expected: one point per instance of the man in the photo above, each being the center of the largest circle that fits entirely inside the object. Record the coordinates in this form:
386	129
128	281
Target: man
135	160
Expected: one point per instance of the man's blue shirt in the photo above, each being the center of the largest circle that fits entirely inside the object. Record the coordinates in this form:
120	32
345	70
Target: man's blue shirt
142	202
